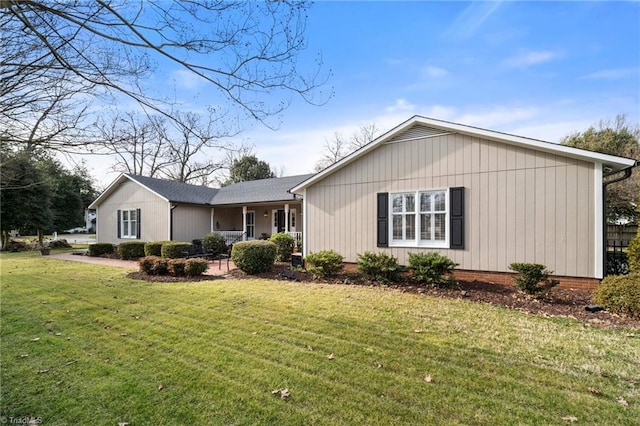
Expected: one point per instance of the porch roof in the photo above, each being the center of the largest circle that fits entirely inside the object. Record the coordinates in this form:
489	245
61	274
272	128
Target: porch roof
259	191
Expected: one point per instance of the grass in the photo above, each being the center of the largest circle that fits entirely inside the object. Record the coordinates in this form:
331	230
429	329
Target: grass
82	344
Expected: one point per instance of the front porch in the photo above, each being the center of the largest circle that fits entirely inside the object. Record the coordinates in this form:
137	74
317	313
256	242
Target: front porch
260	221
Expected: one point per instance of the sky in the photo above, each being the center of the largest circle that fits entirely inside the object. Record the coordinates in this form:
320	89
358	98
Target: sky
538	69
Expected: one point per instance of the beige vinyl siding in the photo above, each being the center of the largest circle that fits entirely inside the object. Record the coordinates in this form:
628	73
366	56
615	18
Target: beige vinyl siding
191	222
521	205
130	195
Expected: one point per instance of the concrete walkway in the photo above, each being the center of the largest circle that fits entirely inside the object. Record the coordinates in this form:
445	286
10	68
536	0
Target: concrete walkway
215	267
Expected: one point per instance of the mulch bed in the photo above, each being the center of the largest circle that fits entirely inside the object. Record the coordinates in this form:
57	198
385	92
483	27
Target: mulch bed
560	302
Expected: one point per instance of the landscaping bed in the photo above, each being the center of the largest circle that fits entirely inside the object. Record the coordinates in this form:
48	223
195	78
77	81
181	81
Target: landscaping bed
562	302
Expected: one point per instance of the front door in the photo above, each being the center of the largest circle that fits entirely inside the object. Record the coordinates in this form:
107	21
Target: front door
278	221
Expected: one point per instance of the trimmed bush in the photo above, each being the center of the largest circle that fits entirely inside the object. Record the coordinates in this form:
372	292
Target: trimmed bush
195	267
213	244
153	248
154	265
633	254
253	257
379	267
532	278
177	267
620	294
174	250
284	246
59	244
131	250
324	263
16	246
432	269
100	249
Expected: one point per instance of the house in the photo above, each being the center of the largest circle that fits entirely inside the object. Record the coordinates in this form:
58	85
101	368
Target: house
483	198
149	209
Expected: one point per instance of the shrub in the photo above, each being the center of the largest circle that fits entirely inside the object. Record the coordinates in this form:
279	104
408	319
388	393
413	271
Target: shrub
154	265
131	250
16	245
620	294
379	267
213	244
100	249
284	246
253	257
177	267
153	248
532	278
195	267
59	244
432	268
324	263
633	254
174	250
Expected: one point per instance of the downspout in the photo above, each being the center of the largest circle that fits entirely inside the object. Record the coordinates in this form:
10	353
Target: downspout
626	175
171	207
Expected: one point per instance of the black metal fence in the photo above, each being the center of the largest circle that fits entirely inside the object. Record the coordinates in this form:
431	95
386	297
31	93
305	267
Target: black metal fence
617	260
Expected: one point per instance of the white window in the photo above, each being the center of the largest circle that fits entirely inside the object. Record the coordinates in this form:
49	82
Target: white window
128	223
420	218
251	225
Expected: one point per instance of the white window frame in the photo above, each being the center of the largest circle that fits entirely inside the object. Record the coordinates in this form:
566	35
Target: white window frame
253	225
416	241
131	233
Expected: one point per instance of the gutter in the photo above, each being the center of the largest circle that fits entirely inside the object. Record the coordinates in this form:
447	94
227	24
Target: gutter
627	174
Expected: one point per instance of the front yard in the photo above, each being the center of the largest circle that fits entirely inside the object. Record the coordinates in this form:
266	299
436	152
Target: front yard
82	344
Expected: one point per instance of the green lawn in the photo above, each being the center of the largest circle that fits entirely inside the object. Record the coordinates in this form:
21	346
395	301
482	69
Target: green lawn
81	344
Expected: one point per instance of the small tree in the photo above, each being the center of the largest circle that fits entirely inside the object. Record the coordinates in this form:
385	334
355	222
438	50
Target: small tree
249	168
532	278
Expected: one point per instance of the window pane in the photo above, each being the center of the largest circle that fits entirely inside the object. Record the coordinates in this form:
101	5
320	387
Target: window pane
250	218
425	202
397	227
125	215
132	215
125	229
397	203
410	203
425	226
410	226
440	227
439	204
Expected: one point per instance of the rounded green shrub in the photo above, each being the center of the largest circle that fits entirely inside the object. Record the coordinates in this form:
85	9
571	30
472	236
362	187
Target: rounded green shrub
131	250
532	278
153	248
284	246
620	294
175	249
100	249
177	267
154	265
213	244
324	263
59	244
432	268
379	267
253	257
195	267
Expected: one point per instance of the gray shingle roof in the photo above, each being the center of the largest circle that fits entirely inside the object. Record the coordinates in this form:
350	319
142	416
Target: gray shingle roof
256	191
177	192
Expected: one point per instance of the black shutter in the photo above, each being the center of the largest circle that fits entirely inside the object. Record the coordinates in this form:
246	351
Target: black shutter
383	219
138	224
456	218
118	218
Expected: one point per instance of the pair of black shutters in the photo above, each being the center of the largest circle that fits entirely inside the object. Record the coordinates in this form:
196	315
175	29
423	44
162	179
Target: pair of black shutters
456	218
119	220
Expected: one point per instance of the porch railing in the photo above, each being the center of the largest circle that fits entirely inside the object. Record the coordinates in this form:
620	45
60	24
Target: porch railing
231	237
297	238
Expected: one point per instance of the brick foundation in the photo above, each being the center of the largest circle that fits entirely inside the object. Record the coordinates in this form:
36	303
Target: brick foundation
506	278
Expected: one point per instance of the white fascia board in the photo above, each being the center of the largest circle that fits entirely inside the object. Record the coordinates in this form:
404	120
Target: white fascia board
599	224
618	163
147	188
94	205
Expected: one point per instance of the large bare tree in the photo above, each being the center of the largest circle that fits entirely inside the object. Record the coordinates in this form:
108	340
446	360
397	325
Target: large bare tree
339	147
62	54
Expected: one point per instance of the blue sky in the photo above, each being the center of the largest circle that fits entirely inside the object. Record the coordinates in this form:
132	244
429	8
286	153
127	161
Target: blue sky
536	69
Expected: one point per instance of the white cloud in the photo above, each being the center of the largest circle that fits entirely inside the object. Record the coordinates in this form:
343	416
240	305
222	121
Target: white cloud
434	72
401	105
531	57
471	19
613	74
187	80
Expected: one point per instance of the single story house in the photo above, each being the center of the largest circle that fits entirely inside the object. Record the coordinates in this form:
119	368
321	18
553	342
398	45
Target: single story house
483	198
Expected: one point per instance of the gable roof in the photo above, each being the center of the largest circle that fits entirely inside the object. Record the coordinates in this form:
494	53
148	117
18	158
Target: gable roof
257	191
421	127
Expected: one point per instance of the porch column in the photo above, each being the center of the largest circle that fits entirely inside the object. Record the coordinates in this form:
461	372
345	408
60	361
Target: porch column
286	218
212	221
244	223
